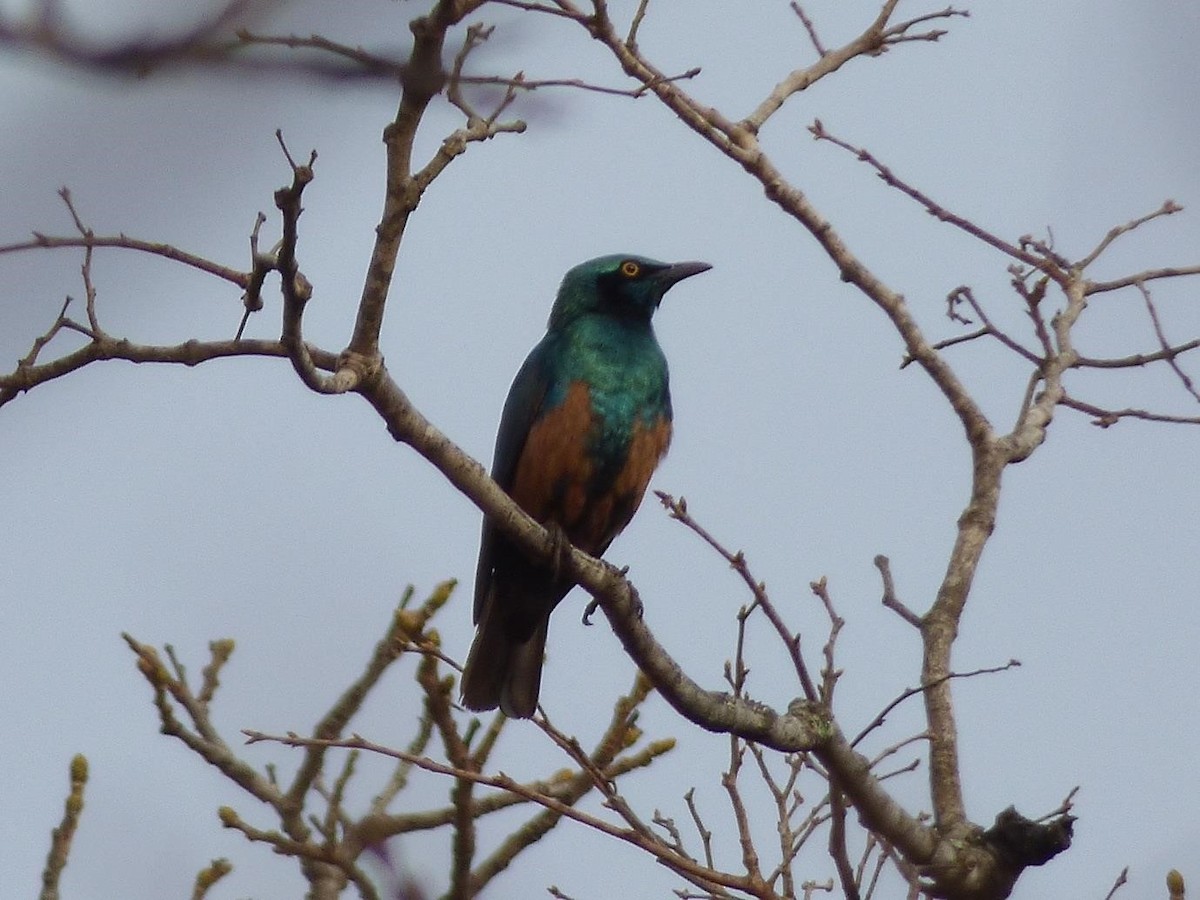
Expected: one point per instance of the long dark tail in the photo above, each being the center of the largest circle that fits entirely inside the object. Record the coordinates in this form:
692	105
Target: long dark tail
501	671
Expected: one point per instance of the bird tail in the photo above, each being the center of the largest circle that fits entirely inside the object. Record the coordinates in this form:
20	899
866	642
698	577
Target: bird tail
502	671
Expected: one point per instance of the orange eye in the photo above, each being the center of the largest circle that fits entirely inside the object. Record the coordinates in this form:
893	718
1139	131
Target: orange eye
630	269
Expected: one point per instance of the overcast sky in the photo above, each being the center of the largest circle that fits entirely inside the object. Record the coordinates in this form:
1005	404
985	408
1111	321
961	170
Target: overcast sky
183	505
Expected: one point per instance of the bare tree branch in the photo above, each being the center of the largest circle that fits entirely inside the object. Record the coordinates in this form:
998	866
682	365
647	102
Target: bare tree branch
1138	359
1116	284
297	290
941	213
189	353
913	691
45	31
166	251
209	876
426	78
964	294
890	600
1168	353
503	782
837	845
810	28
1122	878
1106	417
875	39
1168	208
955	856
737	561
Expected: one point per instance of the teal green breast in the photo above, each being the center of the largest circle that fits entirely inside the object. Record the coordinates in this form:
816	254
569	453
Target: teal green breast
626	375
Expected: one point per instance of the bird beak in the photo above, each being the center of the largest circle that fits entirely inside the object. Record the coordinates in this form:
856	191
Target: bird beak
674	274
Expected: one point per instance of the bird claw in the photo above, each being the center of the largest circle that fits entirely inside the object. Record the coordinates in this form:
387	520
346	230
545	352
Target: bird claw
560	549
590	610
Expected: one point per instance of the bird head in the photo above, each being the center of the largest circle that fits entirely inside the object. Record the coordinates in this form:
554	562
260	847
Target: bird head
623	286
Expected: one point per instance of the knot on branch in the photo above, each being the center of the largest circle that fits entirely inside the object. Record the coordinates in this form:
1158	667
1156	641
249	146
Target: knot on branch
1021	842
985	865
360	368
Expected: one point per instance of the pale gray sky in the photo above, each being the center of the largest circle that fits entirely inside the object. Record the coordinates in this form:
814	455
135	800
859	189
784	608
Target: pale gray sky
185	505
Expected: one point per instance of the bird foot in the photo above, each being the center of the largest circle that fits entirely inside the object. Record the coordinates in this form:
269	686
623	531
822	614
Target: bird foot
594	604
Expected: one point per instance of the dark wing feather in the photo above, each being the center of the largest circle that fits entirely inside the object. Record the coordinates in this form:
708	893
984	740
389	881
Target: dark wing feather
526	398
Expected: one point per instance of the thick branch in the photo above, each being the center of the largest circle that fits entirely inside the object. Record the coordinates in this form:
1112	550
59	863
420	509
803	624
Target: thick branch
939	628
804	726
798	731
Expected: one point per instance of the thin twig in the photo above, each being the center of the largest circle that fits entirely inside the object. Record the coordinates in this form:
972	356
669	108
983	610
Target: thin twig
209	876
1122	878
705	834
636	23
1137	360
741	817
810	28
913	691
386	651
505	783
1040	261
1169	207
963	293
63	835
1164	343
782	795
1104	418
830	673
220	652
837	844
42	241
546	8
737	561
1116	284
375	64
1063	808
400	774
890	600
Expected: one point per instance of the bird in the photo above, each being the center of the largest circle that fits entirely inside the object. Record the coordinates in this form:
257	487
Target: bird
585	424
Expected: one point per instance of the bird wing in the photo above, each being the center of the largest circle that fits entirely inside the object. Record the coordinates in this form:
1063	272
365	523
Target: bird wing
526	399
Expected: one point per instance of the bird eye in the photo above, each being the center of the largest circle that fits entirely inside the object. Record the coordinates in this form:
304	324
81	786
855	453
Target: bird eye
630	269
